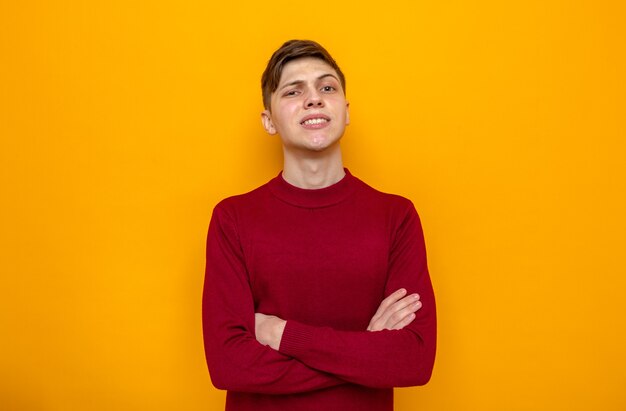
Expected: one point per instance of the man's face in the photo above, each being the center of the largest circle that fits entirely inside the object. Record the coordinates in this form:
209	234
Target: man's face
308	109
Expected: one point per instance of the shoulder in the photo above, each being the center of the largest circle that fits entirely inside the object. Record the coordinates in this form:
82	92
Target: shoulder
241	203
239	200
398	211
387	200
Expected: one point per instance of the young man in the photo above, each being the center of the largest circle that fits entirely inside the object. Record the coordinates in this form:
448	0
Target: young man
317	295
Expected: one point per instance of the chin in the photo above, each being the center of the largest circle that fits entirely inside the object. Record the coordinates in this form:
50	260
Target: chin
313	144
323	145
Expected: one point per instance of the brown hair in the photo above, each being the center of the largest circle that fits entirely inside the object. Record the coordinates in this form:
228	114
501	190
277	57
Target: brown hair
292	50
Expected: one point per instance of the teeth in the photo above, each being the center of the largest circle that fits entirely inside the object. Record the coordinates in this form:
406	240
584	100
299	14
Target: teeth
315	121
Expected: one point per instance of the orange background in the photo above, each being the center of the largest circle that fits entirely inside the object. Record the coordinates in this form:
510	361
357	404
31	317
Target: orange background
123	124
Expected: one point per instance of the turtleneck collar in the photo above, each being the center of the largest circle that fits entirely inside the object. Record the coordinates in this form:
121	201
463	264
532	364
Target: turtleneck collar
313	198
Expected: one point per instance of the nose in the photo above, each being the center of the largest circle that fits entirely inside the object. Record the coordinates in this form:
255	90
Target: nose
314	99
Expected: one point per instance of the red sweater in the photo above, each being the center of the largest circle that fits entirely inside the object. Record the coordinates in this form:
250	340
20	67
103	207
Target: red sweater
323	260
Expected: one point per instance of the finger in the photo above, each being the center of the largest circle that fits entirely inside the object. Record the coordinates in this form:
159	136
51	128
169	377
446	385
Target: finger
402	318
397	320
400	314
398	306
395	313
381	318
387	302
406	321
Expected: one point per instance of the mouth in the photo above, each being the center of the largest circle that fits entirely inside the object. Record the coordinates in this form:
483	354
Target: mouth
315	121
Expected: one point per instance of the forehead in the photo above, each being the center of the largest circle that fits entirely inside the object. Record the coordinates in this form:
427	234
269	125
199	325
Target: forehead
305	68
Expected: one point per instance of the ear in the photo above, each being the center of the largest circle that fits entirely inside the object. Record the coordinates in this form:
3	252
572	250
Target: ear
347	113
268	124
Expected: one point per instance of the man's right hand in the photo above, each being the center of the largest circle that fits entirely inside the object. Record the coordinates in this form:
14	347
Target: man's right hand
395	312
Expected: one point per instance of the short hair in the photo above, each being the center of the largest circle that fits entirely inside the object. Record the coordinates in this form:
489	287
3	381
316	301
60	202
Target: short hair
289	51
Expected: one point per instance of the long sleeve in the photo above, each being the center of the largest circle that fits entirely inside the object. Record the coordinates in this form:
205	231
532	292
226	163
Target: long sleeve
388	358
236	361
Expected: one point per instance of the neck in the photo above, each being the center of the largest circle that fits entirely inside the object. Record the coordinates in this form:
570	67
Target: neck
315	171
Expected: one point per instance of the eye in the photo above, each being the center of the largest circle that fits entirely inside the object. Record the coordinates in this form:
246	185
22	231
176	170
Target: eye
291	93
328	89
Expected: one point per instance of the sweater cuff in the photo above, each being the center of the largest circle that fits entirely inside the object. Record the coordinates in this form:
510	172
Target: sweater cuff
296	339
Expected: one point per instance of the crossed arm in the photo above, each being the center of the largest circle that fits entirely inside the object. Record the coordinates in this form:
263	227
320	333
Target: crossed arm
394	313
254	352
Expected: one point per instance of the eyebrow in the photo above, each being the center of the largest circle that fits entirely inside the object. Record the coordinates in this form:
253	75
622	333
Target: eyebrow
296	82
